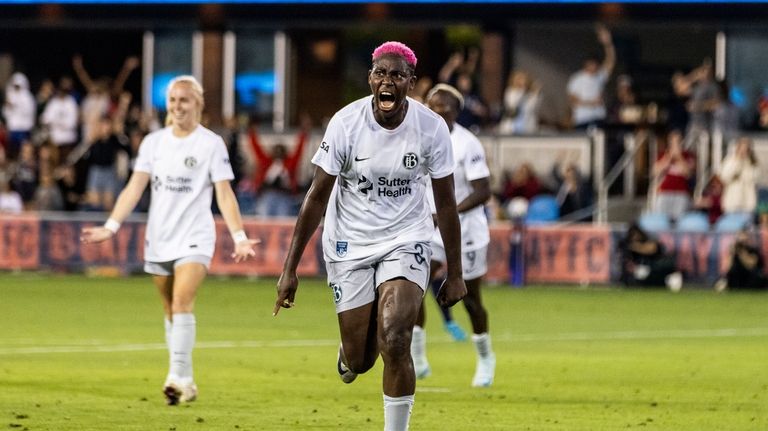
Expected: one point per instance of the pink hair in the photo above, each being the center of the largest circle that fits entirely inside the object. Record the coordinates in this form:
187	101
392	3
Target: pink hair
396	48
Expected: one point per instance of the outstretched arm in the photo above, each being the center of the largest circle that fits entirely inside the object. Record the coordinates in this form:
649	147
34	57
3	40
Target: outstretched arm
130	64
605	39
82	74
311	212
227	202
125	203
448	223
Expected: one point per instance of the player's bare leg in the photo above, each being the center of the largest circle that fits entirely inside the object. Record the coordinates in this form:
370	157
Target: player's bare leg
486	360
180	386
358	350
399	302
419	336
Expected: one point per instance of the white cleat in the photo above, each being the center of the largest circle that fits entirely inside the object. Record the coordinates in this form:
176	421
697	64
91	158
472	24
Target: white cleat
484	372
176	393
346	375
422	369
674	281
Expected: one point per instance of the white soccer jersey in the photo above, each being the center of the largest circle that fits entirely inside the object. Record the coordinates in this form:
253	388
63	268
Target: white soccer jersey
471	165
182	172
378	201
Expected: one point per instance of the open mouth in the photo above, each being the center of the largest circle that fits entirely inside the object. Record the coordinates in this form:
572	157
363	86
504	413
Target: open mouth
386	100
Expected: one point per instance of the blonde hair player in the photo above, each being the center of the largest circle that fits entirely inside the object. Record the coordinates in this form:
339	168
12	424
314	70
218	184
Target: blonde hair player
184	162
372	166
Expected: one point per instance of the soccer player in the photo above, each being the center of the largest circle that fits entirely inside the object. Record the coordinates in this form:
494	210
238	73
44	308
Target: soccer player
184	163
372	166
471	182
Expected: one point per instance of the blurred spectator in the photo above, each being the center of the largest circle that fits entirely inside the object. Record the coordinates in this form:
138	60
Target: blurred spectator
677	106
725	117
24	179
474	113
762	110
522	99
10	201
673	170
585	87
48	196
60	116
645	263
419	92
44	94
521	183
459	71
101	94
745	266
739	173
276	177
711	199
47	156
573	193
625	109
66	180
704	99
458	64
102	183
19	111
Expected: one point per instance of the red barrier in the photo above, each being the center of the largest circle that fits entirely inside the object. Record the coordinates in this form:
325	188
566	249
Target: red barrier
275	238
19	242
574	254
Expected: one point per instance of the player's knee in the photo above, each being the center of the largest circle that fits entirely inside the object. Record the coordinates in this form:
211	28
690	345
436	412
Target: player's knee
395	342
473	306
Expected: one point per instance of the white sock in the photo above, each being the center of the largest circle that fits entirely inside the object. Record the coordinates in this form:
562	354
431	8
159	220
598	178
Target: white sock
168	328
182	342
483	344
419	344
397	412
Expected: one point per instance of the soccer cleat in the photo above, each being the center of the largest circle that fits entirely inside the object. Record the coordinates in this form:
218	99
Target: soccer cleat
674	281
721	285
455	330
484	372
422	370
346	375
176	393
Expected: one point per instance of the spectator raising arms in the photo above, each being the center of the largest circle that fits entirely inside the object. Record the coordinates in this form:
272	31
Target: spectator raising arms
585	87
276	177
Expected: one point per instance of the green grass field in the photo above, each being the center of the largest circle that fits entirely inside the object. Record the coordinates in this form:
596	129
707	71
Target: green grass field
81	353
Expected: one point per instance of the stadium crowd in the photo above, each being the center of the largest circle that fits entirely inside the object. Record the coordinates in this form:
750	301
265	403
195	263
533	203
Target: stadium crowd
70	145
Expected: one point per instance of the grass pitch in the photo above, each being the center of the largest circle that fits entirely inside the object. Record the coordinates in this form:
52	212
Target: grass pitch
82	353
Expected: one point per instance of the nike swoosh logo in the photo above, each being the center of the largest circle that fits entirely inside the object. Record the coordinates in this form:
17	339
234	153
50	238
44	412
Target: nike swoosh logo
415	268
358	159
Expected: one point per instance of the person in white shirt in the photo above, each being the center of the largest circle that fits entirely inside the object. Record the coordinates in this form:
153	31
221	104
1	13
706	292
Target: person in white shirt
372	166
585	87
183	163
472	187
19	111
61	117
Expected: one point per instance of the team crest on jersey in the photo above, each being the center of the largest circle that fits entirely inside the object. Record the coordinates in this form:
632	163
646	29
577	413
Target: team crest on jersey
410	161
190	162
341	248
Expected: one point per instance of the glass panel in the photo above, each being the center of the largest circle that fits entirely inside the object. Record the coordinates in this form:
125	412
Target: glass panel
255	80
173	57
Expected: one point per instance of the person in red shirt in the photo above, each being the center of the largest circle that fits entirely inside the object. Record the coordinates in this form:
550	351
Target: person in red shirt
522	183
673	170
276	178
